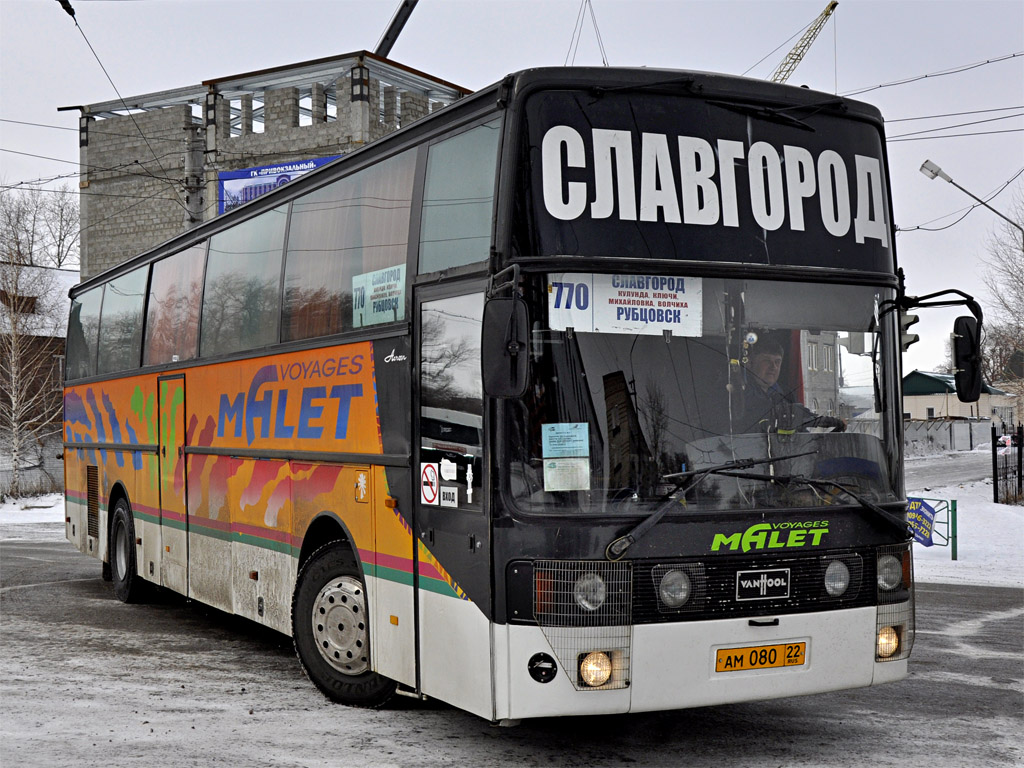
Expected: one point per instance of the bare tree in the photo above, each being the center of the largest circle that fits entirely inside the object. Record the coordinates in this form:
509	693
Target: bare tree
1004	277
31	343
40	227
36	234
60	228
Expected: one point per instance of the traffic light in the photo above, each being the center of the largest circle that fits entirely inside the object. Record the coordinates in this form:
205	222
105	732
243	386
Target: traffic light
906	339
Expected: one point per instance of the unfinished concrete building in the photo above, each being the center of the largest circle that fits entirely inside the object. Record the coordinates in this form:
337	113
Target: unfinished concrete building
153	165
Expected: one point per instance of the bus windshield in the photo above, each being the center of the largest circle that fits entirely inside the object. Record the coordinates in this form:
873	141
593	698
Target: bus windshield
762	395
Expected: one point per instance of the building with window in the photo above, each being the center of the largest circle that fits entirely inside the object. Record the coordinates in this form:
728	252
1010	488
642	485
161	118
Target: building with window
33	320
820	374
928	395
158	164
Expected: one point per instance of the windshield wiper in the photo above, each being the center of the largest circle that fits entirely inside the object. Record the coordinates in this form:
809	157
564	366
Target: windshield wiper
617	548
765	113
900	526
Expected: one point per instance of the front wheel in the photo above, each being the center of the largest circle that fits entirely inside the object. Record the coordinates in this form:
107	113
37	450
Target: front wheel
128	585
330	626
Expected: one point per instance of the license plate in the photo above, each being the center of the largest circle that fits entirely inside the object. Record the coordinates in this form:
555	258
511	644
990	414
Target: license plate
760	657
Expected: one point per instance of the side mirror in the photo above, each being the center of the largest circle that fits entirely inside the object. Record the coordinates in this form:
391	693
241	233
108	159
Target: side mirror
967	358
503	352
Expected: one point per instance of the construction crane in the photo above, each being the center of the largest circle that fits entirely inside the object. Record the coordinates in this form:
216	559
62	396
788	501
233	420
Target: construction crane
795	56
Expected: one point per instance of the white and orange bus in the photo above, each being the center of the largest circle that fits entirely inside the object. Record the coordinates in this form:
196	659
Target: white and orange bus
479	412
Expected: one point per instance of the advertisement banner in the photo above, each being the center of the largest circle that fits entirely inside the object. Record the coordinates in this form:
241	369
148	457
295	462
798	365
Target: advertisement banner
921	519
238	187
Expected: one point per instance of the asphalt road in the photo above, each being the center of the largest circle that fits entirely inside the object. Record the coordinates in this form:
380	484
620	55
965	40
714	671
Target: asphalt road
88	681
949	469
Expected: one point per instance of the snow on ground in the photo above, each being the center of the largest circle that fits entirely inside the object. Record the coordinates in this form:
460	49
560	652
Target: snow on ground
990	540
990	537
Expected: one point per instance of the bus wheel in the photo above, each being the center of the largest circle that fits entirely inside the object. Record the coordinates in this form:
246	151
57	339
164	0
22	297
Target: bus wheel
330	625
128	586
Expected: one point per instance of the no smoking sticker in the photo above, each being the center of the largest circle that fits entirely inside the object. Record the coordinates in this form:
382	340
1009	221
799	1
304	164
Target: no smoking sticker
429	486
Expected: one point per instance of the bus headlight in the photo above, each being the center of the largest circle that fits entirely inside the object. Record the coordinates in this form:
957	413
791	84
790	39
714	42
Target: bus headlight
589	591
837	578
674	588
596	668
890	572
888	642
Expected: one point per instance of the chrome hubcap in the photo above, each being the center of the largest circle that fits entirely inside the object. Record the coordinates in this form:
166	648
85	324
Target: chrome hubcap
339	625
121	550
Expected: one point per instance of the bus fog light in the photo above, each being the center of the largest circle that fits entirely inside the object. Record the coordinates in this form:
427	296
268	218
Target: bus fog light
890	572
888	642
596	668
589	591
674	588
837	578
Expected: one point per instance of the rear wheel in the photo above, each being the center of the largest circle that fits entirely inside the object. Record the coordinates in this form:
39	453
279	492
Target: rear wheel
128	586
331	629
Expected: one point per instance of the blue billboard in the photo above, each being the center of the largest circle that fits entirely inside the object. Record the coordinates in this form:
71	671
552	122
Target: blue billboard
236	188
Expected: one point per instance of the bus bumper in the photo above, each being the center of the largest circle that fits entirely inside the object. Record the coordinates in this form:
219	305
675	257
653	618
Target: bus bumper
673	666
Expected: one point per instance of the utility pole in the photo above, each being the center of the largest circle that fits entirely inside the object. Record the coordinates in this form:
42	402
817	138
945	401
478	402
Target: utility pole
194	183
395	27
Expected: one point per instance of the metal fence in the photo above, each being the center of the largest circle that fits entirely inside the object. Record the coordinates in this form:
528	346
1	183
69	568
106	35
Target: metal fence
944	525
1007	470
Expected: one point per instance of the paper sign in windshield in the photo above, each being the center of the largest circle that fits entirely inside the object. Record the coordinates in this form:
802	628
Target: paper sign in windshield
378	297
566	474
566	440
566	449
641	304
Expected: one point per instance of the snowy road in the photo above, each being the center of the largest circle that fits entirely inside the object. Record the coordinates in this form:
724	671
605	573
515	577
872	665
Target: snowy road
948	469
88	681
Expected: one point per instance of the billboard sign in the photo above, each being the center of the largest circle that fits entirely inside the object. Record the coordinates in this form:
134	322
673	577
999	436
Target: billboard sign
234	188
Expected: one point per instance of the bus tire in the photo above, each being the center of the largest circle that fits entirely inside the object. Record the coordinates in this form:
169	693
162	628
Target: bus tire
128	585
330	628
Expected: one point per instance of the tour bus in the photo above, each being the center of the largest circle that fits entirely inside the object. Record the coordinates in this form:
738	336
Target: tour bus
478	412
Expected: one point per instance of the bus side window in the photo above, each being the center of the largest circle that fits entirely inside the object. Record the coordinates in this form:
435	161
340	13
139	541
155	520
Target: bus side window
347	247
172	315
83	333
120	338
241	299
458	199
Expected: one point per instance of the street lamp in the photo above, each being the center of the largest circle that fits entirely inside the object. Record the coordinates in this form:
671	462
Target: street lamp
931	170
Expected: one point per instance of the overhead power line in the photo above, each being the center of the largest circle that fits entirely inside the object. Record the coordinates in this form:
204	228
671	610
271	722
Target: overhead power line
93	130
952	114
957	135
940	73
577	34
957	125
66	5
991	196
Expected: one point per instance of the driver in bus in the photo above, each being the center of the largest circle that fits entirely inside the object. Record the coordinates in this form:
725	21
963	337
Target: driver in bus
768	407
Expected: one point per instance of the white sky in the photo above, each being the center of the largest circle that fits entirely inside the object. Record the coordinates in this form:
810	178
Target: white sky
152	45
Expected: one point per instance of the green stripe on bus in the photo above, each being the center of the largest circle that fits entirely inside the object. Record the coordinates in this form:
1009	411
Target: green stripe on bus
388	574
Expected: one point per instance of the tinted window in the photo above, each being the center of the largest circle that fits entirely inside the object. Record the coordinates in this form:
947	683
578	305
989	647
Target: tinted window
172	315
120	346
451	392
350	237
458	199
241	300
83	330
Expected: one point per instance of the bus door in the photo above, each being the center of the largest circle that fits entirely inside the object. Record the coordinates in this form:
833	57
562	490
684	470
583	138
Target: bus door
173	516
451	525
